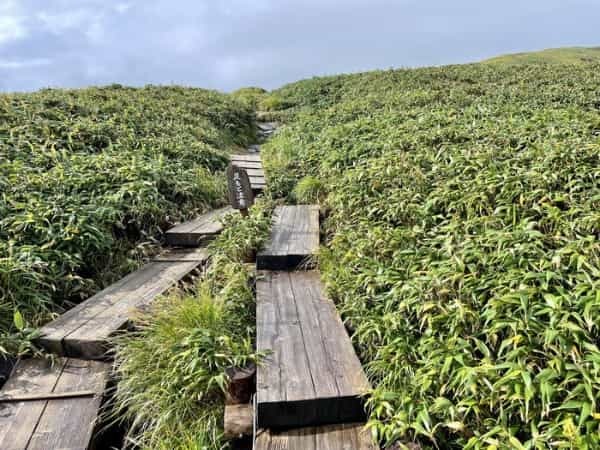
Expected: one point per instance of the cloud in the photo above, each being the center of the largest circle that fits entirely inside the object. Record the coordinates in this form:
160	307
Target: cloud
24	64
12	26
235	43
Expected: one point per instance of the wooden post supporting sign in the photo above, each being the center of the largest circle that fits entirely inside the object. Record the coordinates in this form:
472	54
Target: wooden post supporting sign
240	190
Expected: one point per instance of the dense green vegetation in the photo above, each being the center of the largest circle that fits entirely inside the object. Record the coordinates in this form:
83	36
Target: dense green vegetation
172	370
89	177
462	243
566	55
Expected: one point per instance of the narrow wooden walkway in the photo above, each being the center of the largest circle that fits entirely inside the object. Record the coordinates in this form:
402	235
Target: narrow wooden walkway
45	406
253	165
332	437
199	230
311	376
294	238
84	331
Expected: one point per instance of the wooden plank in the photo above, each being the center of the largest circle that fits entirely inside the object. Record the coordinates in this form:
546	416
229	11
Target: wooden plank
248	164
256	173
84	330
199	254
294	238
199	230
255	157
351	436
311	374
238	420
65	423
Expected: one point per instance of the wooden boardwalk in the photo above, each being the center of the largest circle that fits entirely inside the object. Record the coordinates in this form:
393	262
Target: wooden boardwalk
84	331
253	165
332	437
200	230
46	406
294	238
312	375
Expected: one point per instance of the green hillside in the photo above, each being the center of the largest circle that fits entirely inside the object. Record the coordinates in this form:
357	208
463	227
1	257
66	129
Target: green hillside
567	55
462	243
88	178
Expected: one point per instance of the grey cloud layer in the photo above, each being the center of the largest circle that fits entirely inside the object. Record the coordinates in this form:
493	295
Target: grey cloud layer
229	44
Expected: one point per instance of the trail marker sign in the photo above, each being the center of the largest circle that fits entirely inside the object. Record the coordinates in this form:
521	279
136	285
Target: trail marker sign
240	190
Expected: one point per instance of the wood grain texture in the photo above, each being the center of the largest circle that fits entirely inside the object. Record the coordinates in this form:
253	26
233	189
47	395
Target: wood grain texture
61	423
254	157
84	330
294	238
253	165
351	436
199	254
311	374
199	230
238	420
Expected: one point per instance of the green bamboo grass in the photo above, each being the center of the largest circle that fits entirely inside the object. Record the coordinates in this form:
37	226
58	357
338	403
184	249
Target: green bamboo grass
462	244
171	372
89	178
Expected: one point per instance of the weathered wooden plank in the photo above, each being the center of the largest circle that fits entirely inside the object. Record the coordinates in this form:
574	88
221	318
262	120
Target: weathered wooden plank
311	374
294	238
199	254
65	423
351	436
199	230
248	164
238	420
267	126
248	157
84	330
256	173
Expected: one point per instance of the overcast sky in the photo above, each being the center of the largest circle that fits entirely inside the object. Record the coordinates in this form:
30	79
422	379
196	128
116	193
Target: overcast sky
226	44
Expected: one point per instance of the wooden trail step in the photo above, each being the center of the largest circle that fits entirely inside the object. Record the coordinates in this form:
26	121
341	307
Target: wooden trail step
55	420
198	231
332	437
311	374
294	238
253	165
84	330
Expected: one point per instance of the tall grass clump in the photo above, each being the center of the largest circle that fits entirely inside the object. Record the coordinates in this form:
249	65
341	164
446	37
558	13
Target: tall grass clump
462	245
88	178
171	371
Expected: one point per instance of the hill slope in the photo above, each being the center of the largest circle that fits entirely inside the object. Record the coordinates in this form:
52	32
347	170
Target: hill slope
462	243
88	177
567	55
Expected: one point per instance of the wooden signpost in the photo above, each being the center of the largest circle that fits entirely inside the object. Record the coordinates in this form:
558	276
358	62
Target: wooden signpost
240	190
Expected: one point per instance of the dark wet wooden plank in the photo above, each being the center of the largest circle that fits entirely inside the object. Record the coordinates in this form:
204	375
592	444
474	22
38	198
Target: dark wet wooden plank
311	374
351	436
84	330
60	423
198	231
294	238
